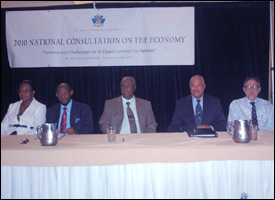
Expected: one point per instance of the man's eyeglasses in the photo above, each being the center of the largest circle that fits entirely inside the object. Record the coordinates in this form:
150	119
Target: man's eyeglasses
127	86
251	87
24	91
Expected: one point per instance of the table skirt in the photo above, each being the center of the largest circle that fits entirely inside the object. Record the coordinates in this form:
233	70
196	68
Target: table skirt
205	180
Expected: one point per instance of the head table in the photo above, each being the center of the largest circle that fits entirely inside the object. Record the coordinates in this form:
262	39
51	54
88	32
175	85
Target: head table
152	165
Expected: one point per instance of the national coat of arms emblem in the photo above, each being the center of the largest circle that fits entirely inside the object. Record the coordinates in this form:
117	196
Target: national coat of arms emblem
98	20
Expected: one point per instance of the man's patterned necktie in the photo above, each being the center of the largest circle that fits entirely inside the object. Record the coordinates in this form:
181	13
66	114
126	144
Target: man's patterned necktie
198	116
63	121
131	118
254	114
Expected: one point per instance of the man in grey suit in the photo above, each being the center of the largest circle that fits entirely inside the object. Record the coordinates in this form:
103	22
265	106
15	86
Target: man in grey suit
198	110
115	111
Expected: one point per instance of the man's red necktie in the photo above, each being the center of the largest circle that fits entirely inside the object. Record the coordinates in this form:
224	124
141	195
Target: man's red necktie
63	121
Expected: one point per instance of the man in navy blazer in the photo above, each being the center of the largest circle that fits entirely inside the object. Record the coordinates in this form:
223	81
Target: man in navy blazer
185	110
79	115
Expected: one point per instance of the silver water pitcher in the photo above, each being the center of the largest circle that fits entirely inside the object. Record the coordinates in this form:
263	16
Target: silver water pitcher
241	131
47	134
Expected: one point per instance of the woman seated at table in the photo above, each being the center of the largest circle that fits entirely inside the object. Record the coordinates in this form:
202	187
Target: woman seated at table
25	115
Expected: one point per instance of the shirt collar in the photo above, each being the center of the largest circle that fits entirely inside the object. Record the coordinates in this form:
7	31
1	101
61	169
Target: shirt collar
68	106
256	100
128	100
195	100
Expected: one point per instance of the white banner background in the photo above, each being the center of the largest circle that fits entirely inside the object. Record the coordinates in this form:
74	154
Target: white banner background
132	36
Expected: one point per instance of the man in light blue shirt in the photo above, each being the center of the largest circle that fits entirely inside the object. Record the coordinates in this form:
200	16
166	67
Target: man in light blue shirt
242	108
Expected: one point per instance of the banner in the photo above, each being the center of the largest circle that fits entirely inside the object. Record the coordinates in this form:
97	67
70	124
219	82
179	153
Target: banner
100	37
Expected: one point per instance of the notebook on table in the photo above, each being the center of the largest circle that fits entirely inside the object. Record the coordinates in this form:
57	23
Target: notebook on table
201	132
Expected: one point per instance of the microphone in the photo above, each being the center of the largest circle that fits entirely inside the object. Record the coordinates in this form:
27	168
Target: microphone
243	196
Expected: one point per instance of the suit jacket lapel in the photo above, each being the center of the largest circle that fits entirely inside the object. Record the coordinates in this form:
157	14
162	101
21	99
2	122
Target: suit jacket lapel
206	109
190	107
120	111
73	111
141	115
191	111
139	108
120	106
57	114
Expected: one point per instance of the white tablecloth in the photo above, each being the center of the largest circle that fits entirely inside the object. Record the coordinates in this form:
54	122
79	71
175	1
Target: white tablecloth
196	176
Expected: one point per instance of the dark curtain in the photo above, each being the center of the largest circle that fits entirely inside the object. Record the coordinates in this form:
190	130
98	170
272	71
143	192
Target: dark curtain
231	43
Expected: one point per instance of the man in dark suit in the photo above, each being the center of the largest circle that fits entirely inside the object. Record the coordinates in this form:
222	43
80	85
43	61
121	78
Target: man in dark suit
115	111
198	110
72	117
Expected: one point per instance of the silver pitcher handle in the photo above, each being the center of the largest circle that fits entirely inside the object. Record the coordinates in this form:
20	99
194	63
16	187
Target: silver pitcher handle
38	132
230	126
